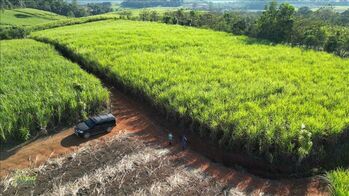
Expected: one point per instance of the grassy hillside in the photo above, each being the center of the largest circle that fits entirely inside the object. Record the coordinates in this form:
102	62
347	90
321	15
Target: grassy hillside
27	17
39	88
277	102
12	31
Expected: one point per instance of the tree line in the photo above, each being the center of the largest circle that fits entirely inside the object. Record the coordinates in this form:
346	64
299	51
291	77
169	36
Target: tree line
323	29
61	7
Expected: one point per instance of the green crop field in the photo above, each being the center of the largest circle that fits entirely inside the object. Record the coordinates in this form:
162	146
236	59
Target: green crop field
277	102
39	89
27	17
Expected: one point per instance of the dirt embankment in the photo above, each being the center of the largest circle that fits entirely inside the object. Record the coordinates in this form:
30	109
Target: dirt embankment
142	126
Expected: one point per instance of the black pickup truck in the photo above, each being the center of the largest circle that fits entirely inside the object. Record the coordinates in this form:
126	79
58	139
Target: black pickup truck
95	125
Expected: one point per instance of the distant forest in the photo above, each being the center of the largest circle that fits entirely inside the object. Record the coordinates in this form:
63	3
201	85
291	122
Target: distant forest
151	3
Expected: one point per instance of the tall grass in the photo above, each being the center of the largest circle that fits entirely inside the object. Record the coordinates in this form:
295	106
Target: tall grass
39	89
339	182
276	102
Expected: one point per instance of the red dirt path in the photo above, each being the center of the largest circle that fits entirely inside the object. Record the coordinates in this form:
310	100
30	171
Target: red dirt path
134	117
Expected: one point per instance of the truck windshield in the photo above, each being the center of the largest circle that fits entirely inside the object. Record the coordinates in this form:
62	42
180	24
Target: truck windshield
89	123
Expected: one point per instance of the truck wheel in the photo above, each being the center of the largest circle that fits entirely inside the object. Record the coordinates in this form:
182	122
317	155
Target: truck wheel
109	129
86	135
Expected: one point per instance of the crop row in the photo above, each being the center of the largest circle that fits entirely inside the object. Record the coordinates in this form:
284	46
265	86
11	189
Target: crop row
40	89
276	102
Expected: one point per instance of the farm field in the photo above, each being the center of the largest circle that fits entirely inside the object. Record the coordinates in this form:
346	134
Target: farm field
281	103
135	159
27	17
252	110
40	89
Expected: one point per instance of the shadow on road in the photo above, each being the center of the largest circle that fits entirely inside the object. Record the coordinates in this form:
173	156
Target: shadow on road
11	148
74	140
5	154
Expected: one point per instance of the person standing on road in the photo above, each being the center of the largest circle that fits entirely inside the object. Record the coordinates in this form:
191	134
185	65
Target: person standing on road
184	142
170	138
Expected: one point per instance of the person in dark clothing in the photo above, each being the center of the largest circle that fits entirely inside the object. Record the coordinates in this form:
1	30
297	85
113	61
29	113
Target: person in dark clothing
170	138
184	142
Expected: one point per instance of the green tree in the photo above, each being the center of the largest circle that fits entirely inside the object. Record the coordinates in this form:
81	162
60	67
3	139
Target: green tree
144	15
266	23
126	14
5	4
168	18
344	18
46	6
331	43
314	37
239	26
276	23
70	13
179	17
17	3
326	14
193	18
154	16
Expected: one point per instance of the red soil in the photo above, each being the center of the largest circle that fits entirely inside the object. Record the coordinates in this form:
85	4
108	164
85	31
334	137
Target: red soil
134	117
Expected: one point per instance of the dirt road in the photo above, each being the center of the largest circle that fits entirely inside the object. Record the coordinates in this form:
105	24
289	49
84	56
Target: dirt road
136	119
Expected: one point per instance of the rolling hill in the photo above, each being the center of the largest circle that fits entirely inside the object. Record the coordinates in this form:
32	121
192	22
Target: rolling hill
27	17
